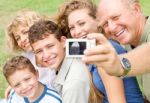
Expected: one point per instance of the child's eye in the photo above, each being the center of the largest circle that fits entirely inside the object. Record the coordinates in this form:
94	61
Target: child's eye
17	85
27	79
38	51
49	46
81	23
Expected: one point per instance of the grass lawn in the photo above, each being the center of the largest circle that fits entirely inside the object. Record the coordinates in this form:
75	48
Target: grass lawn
9	7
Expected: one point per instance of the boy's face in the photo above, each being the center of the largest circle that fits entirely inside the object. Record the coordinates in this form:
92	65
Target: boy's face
24	82
49	51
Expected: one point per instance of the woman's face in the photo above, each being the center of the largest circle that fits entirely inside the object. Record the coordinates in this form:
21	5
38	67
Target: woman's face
81	23
21	37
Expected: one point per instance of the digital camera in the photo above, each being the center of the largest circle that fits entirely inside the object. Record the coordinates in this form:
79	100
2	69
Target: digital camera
75	47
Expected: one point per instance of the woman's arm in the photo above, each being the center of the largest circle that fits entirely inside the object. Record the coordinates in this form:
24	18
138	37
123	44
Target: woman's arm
114	87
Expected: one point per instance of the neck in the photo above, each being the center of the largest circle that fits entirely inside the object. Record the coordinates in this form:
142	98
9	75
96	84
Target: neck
38	92
139	30
58	68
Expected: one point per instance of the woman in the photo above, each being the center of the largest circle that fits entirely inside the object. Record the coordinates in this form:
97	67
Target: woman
77	19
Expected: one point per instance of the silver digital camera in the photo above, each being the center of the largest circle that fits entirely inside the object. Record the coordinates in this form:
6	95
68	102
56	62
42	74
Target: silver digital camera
75	47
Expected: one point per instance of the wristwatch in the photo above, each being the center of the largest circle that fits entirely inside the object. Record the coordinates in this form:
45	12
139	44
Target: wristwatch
126	66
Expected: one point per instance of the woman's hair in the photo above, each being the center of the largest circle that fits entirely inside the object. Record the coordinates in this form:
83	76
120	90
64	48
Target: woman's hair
70	6
95	95
24	18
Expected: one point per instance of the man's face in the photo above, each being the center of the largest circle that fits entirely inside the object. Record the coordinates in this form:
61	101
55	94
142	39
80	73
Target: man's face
119	21
49	51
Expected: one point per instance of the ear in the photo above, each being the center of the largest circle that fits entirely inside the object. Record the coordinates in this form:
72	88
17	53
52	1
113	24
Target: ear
137	8
63	41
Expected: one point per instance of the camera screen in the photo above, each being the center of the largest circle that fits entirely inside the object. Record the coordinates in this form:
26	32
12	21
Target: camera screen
77	47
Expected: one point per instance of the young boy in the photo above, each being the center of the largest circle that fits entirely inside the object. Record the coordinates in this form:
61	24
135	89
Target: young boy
23	78
72	80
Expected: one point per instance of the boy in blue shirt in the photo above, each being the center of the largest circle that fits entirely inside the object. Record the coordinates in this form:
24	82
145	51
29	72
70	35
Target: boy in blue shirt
23	78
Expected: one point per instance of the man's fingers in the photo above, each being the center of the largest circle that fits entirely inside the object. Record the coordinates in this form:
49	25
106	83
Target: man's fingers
94	59
100	38
100	49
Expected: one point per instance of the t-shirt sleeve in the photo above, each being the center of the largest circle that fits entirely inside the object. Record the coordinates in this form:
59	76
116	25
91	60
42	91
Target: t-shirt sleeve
119	49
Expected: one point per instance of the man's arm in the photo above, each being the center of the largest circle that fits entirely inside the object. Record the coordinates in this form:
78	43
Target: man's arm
139	59
104	55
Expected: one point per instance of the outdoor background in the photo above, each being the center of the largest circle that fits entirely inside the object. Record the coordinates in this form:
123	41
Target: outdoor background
8	9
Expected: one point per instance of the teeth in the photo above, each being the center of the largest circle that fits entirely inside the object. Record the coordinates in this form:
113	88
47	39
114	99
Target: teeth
52	57
118	34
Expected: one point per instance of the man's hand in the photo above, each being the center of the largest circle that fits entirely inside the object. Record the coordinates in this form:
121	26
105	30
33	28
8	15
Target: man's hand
103	55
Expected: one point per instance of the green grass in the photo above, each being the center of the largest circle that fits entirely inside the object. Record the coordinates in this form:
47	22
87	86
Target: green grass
9	7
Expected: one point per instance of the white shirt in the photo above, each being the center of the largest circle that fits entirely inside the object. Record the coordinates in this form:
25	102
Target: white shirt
73	82
48	96
46	75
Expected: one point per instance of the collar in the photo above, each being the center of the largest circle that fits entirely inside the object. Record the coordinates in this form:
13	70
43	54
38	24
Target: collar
39	98
63	72
146	32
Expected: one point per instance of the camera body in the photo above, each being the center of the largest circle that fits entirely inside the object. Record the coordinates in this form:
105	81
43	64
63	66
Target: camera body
75	47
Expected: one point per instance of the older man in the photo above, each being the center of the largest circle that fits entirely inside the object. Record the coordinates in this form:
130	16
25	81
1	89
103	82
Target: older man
122	20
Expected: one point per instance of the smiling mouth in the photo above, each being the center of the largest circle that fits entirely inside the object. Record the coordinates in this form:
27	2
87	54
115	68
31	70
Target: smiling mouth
51	60
120	33
27	91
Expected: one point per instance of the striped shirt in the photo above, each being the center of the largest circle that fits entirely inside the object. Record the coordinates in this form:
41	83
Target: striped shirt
48	96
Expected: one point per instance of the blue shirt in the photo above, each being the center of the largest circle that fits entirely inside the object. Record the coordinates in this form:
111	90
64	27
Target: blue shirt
132	91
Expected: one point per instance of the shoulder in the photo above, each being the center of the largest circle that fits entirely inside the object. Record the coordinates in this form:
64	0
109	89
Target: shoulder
15	98
77	70
78	63
119	49
52	96
75	92
75	85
